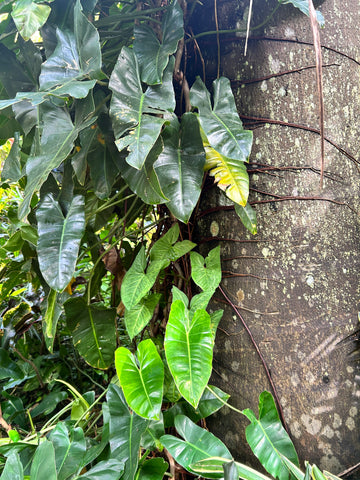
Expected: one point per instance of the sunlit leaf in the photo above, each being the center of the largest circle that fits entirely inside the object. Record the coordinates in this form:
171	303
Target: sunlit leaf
138	116
93	330
198	444
268	438
140	315
59	240
189	349
29	16
213	467
152	55
206	273
141	379
167	249
179	166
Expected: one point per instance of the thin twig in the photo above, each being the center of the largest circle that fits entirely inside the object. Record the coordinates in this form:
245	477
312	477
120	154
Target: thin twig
248	27
266	368
349	470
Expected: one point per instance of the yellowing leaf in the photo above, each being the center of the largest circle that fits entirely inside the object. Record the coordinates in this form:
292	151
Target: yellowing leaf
231	175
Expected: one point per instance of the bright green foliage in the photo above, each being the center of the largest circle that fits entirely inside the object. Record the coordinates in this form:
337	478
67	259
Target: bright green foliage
198	444
141	379
140	314
29	16
152	469
13	468
43	465
189	347
268	439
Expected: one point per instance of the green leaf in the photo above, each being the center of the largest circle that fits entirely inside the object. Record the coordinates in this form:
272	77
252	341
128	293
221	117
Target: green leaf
230	175
150	439
230	471
152	469
141	379
206	273
140	315
152	55
199	444
180	165
57	141
59	240
317	474
209	404
248	217
138	116
70	448
330	476
93	330
268	439
136	283
111	469
13	469
213	467
52	309
29	17
126	429
221	123
303	6
12	168
294	470
49	403
167	249
43	465
189	349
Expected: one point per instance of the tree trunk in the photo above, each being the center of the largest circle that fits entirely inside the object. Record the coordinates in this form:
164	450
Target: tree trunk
296	282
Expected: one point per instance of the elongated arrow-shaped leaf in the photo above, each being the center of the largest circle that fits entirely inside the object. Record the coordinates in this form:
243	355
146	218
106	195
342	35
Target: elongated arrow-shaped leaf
198	444
29	16
189	350
206	273
152	55
51	314
70	448
268	439
230	175
140	315
43	465
142	380
57	140
126	429
248	217
132	110
59	240
180	166
13	469
213	467
221	123
93	330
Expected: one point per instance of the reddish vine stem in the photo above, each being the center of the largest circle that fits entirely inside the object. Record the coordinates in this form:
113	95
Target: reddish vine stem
280	74
301	127
266	368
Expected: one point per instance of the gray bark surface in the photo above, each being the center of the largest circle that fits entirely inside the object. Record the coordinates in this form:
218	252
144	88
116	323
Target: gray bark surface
296	283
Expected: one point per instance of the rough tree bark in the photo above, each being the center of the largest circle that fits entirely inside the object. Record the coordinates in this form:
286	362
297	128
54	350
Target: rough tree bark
296	283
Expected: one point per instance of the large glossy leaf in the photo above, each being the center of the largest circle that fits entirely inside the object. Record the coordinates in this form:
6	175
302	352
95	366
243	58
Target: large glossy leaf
136	283
189	349
126	429
230	175
57	141
70	448
141	379
13	469
167	249
248	217
214	466
152	55
93	330
303	6
198	444
29	16
12	168
43	465
59	240
206	273
268	438
111	469
221	123
140	315
179	166
132	110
